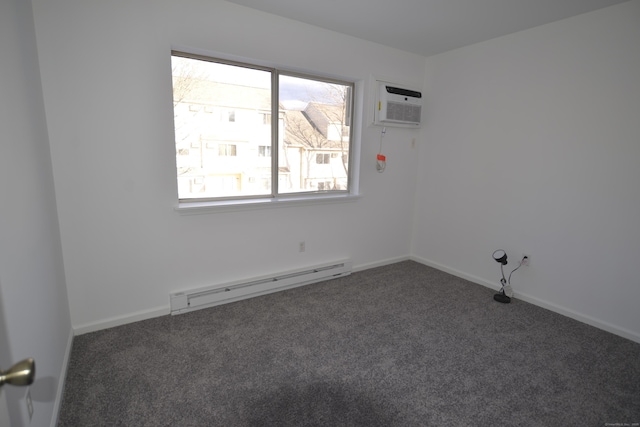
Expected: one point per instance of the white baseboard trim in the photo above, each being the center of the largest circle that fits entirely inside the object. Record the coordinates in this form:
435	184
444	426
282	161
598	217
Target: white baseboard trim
62	378
122	320
458	273
589	320
165	310
382	263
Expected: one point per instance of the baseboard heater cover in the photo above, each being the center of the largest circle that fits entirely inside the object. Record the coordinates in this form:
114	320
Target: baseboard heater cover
186	301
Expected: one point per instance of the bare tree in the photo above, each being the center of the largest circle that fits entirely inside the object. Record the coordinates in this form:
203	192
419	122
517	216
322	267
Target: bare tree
186	77
340	95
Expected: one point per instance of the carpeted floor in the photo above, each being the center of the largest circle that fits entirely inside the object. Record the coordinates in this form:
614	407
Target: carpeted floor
399	345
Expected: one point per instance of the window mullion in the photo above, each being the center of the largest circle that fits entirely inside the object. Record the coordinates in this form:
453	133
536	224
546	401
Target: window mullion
275	123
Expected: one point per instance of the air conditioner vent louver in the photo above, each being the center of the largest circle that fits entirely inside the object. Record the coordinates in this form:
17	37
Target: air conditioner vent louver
403	113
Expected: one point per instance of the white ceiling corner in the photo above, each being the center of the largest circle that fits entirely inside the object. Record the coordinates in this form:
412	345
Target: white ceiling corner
427	27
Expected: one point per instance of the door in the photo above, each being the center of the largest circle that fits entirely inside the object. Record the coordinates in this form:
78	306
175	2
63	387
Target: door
4	364
4	410
5	356
20	374
11	375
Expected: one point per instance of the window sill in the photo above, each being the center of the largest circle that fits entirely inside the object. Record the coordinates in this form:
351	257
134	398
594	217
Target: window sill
195	208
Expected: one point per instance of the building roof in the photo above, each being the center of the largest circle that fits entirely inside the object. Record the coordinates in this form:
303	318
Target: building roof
322	115
310	127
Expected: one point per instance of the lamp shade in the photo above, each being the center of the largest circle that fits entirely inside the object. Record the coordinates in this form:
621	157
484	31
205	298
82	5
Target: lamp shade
500	256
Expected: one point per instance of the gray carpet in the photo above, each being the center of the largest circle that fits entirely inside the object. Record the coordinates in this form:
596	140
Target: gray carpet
399	345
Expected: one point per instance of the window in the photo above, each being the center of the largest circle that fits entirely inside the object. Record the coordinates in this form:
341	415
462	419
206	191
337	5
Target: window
322	159
226	150
264	151
324	185
295	123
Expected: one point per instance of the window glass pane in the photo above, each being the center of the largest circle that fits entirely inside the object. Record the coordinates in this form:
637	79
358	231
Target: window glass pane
315	126
220	124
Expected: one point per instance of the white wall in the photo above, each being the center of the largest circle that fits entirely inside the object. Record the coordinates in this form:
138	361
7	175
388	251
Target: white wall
107	88
549	113
533	145
34	311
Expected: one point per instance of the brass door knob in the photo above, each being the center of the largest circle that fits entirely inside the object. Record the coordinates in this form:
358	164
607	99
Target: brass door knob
22	373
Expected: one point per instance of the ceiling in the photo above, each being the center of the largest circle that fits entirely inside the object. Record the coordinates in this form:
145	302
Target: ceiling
427	27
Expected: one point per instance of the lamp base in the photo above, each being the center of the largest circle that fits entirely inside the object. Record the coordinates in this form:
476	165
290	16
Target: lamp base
502	298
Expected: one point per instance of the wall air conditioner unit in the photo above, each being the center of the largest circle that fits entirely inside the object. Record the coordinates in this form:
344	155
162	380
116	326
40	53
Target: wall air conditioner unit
397	106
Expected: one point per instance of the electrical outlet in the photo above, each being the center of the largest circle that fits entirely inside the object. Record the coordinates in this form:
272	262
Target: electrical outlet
29	404
302	247
526	259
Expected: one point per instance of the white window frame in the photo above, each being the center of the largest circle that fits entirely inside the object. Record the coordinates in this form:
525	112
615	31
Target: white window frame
352	194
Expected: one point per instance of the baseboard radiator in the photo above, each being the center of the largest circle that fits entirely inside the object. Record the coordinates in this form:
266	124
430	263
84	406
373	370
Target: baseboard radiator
186	301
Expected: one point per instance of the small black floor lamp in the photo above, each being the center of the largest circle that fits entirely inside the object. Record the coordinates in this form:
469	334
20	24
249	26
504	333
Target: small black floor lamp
501	257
